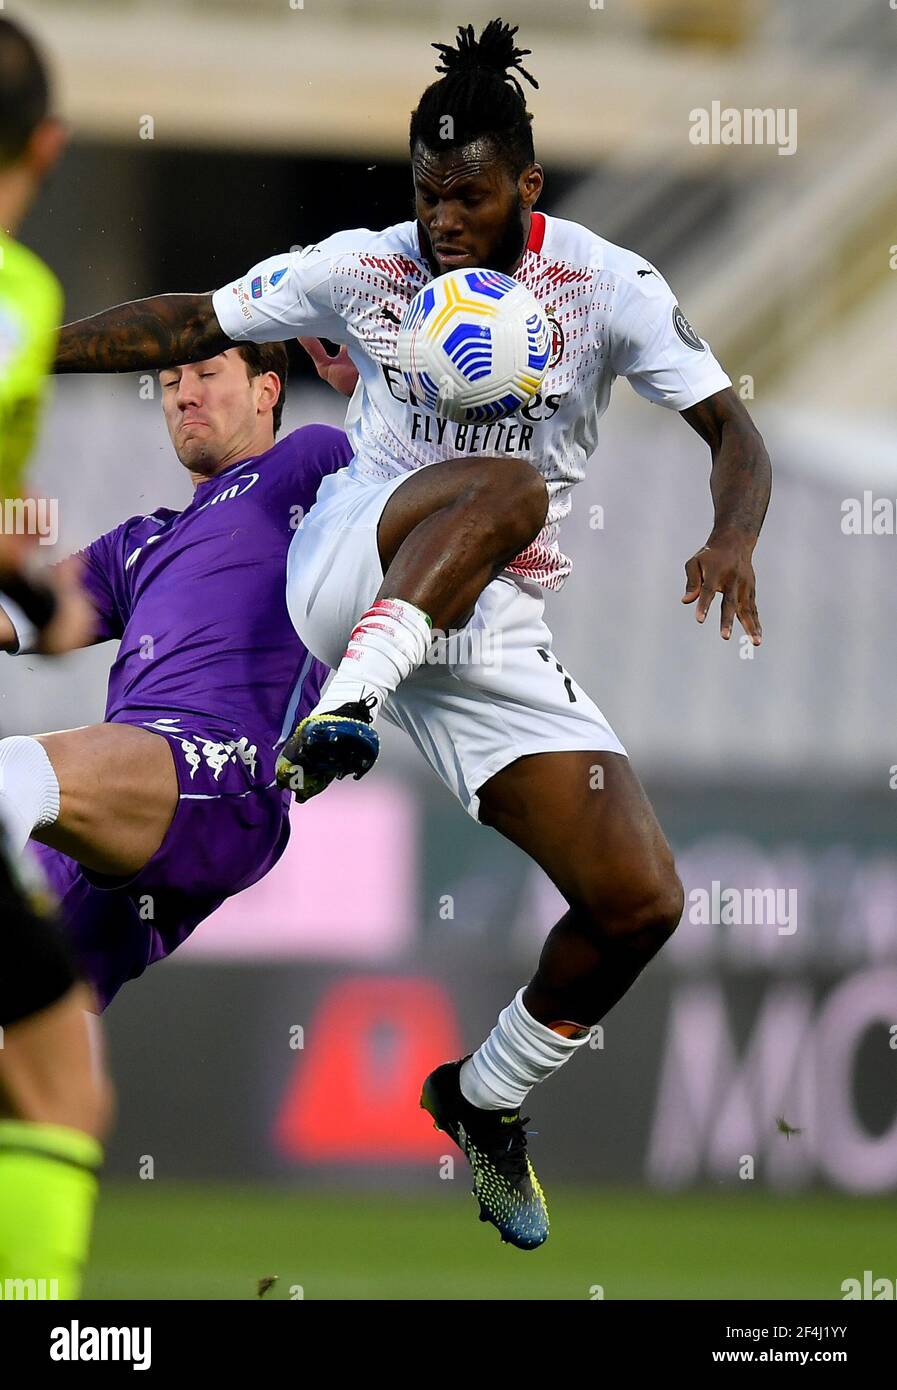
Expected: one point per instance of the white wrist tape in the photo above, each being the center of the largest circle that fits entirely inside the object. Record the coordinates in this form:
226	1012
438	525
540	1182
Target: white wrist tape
26	633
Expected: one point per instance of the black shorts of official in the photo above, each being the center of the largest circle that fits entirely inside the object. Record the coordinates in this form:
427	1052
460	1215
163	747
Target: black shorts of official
36	964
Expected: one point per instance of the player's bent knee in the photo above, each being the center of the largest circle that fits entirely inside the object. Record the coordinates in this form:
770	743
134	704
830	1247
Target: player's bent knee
665	910
513	496
644	912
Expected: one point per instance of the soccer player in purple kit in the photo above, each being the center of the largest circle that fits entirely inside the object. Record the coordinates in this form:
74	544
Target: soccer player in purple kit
170	806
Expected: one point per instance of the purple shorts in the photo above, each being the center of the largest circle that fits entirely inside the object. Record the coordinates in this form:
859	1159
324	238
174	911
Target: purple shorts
230	827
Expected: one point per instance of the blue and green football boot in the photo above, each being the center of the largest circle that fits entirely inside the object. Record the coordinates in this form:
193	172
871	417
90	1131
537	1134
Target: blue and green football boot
494	1144
327	746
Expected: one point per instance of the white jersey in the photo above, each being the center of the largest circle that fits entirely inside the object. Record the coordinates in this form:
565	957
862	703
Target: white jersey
611	314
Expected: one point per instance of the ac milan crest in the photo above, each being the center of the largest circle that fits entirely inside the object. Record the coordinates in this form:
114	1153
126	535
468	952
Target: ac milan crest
557	337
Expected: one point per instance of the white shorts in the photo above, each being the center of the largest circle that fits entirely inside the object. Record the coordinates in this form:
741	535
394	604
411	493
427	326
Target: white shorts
484	698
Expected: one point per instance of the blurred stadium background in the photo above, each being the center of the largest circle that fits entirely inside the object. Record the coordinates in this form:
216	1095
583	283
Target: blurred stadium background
210	134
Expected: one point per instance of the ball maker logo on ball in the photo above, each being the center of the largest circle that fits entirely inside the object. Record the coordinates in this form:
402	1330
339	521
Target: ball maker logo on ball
474	345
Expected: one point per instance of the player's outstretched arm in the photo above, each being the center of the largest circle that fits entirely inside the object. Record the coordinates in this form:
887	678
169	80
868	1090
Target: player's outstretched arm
48	614
143	335
740	484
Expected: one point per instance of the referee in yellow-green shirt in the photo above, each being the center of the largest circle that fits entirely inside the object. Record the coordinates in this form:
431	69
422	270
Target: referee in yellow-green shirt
54	1105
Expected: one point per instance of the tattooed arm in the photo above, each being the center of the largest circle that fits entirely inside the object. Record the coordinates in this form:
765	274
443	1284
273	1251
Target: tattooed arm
146	334
740	484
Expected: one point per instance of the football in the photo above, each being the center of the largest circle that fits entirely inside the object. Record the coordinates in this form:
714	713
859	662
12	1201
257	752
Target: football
474	345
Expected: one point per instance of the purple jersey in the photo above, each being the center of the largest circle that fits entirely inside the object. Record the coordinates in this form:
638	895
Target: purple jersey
210	661
197	599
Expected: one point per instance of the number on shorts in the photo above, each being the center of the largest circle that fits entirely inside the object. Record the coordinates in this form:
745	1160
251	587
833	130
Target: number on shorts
568	679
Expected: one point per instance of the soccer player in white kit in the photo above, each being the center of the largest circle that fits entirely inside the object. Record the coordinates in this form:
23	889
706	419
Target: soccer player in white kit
395	550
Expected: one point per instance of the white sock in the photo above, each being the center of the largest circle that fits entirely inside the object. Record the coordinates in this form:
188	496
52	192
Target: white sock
388	642
518	1053
29	791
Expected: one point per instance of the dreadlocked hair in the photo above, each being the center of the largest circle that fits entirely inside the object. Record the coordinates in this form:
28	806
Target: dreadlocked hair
480	95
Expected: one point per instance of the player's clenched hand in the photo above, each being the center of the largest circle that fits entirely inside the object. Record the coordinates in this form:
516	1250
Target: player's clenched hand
73	624
339	372
723	566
